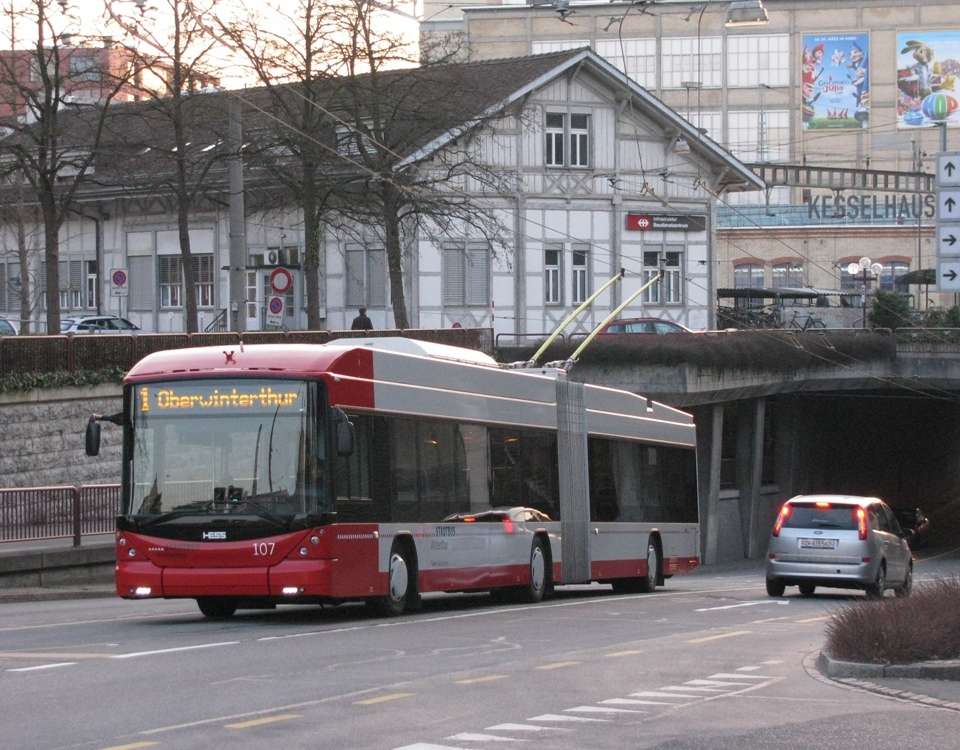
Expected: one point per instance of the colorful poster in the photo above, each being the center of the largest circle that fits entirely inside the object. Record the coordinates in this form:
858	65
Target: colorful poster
835	72
928	63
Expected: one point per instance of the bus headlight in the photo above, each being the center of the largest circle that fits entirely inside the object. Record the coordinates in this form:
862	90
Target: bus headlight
304	552
132	552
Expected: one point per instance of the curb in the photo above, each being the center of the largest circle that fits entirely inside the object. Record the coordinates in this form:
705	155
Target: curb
947	669
12	596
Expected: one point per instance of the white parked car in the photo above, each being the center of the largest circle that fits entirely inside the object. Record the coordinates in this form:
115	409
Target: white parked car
97	324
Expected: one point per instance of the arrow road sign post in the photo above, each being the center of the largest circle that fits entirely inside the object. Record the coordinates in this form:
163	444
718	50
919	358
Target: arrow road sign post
948	221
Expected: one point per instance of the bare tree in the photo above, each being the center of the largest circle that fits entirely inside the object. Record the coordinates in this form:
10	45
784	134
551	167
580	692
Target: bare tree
175	51
38	108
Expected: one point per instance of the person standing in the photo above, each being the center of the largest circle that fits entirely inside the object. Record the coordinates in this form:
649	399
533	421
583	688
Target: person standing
362	322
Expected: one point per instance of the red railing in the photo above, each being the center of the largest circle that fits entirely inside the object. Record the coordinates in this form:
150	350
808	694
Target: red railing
33	513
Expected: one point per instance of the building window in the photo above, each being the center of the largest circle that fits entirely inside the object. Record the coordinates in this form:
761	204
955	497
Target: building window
579	274
84	68
709	123
92	276
758	58
561	126
558	45
637	58
669	290
788	274
551	274
850	281
554	143
466	274
748	276
744	134
579	140
170	280
10	287
366	276
681	62
892	270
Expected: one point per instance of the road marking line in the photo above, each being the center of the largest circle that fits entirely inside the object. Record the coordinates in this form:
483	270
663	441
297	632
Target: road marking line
476	680
602	710
715	683
135	654
49	655
479	737
91	622
427	746
132	746
814	619
658	694
557	665
747	669
769	619
688	689
383	699
632	702
523	727
43	666
731	676
772	661
733	606
558	717
262	721
312	632
613	654
733	634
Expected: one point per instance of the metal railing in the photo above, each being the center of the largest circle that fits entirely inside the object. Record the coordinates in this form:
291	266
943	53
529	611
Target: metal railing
35	513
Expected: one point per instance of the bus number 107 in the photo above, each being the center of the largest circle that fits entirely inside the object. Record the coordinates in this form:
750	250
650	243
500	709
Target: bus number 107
263	549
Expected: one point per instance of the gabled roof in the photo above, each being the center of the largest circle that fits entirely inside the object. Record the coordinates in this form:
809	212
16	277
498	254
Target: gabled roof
737	173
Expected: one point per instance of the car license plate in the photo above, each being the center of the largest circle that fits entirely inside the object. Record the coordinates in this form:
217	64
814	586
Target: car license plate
818	544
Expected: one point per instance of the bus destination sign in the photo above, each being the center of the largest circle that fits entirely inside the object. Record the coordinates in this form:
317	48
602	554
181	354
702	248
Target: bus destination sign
200	397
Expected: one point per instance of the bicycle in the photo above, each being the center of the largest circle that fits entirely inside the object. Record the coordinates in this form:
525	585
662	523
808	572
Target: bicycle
805	322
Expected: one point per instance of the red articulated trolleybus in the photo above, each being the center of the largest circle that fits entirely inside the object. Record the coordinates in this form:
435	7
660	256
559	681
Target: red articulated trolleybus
380	469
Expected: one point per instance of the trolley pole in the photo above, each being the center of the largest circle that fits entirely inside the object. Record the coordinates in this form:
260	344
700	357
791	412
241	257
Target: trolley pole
236	313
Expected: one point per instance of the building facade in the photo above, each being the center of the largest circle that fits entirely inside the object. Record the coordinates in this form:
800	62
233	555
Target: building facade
851	84
605	177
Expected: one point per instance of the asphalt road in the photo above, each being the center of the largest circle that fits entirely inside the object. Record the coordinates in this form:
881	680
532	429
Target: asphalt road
707	662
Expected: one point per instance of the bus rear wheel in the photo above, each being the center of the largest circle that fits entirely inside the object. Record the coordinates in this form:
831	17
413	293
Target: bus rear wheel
641	584
539	580
216	608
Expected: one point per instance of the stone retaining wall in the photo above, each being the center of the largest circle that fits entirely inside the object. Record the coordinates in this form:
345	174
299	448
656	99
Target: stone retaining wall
41	437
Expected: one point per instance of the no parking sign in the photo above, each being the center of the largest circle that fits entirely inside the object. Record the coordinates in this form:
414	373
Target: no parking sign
119	286
275	311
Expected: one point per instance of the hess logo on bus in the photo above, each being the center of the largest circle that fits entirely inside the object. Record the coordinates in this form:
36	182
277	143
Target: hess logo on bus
210	535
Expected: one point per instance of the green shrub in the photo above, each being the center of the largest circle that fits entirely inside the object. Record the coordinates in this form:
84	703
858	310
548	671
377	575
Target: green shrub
890	310
26	381
920	627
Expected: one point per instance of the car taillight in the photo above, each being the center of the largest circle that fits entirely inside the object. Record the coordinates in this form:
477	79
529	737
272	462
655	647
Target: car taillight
861	515
822	504
508	525
781	517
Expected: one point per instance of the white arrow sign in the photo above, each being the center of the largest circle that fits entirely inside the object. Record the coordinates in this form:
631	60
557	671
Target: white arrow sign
948	169
948	275
948	239
948	205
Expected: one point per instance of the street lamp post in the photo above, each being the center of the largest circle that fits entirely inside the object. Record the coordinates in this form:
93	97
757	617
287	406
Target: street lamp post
866	270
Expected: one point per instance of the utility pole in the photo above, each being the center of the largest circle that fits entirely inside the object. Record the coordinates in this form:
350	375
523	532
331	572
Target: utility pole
236	308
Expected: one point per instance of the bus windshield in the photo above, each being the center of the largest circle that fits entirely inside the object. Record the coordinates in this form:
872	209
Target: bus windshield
246	446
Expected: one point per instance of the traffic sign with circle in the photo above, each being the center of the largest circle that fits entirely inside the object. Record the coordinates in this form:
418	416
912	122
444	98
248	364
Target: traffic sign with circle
281	280
275	305
119	277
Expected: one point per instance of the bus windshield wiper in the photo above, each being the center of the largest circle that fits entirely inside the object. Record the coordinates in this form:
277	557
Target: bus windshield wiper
262	510
188	509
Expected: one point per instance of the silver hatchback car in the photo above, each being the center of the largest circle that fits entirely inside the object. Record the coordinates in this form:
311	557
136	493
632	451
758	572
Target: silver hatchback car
840	541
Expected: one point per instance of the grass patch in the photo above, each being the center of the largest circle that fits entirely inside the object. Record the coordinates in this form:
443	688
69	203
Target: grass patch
920	627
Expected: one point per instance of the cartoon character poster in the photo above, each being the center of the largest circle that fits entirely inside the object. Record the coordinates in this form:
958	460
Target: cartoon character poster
928	63
835	75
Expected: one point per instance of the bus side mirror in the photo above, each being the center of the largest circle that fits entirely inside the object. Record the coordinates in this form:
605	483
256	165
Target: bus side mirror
344	438
92	437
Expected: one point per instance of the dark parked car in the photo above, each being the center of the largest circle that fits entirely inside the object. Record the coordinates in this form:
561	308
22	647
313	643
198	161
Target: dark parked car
644	325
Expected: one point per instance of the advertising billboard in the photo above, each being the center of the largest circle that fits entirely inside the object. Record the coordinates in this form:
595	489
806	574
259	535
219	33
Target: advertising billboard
928	63
835	75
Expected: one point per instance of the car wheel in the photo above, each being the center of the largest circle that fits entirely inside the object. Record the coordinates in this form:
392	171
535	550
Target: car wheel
216	608
876	589
401	584
775	587
807	589
538	581
907	586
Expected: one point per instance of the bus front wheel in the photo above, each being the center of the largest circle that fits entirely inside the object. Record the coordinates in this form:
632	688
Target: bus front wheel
401	584
539	580
216	608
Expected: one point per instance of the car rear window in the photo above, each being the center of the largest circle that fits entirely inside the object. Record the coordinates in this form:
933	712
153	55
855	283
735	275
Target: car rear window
810	516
